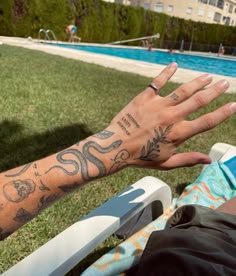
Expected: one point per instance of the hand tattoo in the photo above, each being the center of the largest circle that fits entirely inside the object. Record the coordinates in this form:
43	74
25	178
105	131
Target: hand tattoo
152	149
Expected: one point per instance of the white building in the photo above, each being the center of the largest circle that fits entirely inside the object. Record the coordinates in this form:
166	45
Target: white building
209	11
124	2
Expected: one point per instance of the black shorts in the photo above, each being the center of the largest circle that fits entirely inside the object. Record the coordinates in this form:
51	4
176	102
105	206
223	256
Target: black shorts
196	241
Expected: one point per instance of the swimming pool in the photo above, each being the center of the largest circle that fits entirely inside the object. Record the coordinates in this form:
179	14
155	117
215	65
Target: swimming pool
211	64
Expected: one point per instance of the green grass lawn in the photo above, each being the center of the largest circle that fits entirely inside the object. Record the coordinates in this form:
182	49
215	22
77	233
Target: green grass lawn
48	103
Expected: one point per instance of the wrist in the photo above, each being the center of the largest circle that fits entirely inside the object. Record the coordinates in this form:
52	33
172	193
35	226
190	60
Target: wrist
105	152
130	147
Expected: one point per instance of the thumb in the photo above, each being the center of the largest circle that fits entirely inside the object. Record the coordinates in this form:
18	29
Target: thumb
186	159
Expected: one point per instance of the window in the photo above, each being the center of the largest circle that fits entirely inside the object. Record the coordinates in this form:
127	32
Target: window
226	20
220	4
170	8
200	12
231	7
213	2
158	7
203	1
189	10
217	17
146	6
210	14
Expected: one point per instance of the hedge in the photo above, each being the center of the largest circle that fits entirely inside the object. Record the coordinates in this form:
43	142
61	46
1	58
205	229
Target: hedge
103	22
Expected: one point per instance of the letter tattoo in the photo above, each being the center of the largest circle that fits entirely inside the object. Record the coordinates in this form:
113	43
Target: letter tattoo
126	122
121	125
133	120
174	96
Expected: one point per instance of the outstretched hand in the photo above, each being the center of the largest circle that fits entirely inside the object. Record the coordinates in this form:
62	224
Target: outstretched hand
146	133
152	127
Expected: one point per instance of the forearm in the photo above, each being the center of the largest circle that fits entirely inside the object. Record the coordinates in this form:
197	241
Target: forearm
27	190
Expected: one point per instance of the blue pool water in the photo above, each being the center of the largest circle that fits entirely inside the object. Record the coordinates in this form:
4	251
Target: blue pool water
211	64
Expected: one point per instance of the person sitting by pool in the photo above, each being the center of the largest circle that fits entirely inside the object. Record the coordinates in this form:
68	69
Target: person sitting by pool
221	51
71	30
171	51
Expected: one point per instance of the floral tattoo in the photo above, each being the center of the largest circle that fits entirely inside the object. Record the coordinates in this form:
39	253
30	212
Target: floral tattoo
151	150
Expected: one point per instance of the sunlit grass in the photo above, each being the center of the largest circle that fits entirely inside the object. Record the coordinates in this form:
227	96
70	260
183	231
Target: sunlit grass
48	103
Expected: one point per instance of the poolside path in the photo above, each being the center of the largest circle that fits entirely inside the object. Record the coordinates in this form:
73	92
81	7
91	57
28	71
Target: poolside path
138	67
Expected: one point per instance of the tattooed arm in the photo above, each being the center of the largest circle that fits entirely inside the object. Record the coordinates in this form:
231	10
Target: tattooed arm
27	190
146	133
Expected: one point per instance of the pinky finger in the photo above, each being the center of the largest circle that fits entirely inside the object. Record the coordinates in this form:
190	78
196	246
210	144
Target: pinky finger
210	120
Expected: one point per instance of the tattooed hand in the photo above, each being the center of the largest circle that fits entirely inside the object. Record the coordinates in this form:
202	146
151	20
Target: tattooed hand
152	127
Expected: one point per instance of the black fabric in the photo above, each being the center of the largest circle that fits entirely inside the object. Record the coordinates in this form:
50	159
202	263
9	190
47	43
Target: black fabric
197	241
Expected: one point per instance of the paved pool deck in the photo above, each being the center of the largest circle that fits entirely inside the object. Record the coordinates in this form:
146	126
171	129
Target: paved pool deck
133	66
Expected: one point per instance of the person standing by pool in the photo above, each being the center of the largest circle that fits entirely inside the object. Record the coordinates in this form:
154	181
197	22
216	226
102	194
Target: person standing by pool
71	30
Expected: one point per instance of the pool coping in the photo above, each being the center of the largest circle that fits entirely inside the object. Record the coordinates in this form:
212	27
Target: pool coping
122	64
187	53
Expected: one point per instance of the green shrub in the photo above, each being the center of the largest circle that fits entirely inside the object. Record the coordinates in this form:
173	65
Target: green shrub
102	22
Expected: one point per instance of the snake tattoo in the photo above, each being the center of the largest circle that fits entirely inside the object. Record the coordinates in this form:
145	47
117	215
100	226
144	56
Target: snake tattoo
83	158
24	169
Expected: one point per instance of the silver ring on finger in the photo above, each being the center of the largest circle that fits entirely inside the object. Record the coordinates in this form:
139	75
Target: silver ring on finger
154	87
